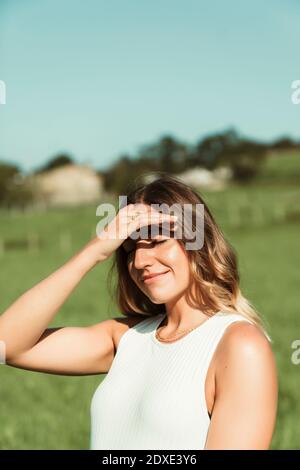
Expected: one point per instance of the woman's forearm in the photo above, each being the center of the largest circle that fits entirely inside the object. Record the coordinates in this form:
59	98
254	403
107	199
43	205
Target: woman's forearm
22	324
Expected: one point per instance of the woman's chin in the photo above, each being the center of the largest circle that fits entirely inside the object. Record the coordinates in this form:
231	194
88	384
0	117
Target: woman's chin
159	299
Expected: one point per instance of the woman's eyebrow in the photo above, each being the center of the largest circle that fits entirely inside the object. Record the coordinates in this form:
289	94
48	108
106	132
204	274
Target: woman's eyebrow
131	243
128	245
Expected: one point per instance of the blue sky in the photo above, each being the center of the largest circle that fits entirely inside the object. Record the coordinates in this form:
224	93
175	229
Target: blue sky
97	79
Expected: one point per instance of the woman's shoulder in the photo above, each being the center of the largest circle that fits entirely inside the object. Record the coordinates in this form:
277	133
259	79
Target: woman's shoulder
242	333
243	343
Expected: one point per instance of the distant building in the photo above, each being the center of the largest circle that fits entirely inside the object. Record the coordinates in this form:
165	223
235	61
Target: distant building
67	185
199	177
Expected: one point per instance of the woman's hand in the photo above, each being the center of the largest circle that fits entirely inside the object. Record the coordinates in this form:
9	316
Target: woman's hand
129	219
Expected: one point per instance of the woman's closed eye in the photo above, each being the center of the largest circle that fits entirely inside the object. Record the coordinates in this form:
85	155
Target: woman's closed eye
153	242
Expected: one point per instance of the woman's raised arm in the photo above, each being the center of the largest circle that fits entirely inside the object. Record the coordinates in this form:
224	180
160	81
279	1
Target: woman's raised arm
24	322
30	345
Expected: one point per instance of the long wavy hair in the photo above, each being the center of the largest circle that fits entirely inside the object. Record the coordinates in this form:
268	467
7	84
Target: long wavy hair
214	267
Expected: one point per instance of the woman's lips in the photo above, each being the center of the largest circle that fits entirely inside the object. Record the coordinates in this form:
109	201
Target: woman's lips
154	278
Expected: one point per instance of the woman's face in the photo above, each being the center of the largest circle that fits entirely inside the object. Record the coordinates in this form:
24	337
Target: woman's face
160	254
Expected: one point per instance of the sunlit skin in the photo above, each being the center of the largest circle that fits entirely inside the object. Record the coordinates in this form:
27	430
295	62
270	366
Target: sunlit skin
156	255
241	385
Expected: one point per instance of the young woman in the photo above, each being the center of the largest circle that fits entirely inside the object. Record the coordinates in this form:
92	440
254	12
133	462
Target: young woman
190	365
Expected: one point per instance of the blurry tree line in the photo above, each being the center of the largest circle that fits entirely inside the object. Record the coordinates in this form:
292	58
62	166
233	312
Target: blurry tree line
242	155
14	190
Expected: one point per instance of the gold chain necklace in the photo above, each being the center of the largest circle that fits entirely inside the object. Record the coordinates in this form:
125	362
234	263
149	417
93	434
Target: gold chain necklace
176	334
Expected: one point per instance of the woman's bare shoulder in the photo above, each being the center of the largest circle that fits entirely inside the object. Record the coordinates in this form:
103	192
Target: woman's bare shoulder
243	343
242	332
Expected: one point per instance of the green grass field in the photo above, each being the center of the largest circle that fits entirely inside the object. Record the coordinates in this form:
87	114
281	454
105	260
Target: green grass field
43	411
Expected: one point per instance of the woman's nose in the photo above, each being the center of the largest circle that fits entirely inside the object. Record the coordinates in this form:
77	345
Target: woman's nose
142	257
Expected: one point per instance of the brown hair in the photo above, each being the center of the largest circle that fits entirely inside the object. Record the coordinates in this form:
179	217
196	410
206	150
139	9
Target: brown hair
213	267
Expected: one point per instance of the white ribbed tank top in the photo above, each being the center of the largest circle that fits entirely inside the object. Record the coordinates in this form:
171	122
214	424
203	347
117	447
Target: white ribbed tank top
153	396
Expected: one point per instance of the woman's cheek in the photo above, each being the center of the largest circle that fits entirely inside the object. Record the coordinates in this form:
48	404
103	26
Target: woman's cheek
174	255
